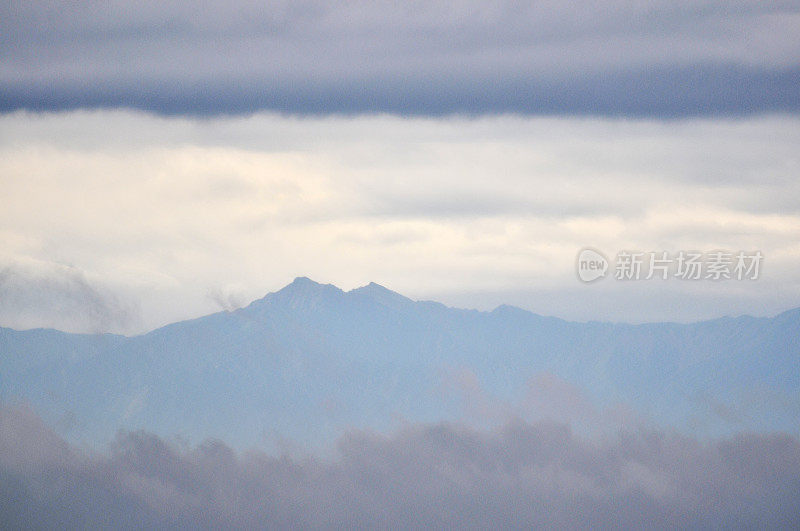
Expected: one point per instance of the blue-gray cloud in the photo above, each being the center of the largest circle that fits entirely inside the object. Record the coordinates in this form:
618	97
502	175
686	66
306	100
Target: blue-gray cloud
664	59
442	475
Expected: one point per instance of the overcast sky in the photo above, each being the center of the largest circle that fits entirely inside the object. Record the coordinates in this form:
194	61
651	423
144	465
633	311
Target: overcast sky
156	219
159	161
661	58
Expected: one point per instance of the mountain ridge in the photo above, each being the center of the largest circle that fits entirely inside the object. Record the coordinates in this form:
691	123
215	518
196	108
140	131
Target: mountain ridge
311	359
302	289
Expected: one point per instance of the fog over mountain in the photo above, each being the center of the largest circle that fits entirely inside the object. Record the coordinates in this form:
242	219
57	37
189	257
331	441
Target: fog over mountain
311	361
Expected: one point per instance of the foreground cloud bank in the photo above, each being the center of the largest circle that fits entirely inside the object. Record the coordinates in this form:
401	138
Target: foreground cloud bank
661	58
520	475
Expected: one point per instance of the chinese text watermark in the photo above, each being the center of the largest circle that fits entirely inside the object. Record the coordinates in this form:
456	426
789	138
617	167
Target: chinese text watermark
715	265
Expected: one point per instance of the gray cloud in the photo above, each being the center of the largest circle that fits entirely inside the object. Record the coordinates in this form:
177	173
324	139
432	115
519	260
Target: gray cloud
520	475
54	295
227	298
614	58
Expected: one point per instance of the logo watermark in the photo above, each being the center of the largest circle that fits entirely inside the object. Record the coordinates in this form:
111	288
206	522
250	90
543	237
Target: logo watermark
591	265
717	265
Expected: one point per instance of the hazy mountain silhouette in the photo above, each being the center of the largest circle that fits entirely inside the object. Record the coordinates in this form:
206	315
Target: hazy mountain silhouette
311	359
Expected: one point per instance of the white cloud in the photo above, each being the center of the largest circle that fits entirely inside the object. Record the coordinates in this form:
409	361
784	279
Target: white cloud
170	210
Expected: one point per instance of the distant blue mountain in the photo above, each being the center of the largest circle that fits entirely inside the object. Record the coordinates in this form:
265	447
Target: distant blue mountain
309	360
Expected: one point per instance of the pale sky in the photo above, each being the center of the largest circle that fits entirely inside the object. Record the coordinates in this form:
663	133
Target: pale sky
163	160
123	221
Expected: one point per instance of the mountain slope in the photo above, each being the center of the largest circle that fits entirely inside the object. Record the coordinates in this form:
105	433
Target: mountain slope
311	359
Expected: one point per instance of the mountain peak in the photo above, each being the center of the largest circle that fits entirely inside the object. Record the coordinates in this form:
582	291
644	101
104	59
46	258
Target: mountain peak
302	281
372	287
382	295
507	310
302	292
306	286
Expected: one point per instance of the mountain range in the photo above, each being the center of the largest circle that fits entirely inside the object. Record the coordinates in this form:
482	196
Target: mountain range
309	361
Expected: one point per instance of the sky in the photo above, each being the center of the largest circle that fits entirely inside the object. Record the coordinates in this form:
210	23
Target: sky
161	161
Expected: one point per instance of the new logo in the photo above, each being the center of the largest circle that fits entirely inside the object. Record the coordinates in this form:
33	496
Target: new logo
591	265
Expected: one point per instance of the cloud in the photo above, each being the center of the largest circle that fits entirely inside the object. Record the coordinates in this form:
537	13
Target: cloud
473	212
519	475
617	58
41	294
228	298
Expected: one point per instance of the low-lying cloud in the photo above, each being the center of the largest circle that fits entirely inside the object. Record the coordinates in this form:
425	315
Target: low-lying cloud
520	475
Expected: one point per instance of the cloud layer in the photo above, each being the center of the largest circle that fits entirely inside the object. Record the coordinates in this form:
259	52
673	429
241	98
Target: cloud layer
181	213
521	475
614	58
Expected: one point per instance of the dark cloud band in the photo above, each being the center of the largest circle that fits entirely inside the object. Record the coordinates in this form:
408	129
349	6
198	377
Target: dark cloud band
665	93
616	59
